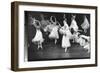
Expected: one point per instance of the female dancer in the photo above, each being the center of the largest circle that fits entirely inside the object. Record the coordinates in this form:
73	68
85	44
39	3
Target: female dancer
74	25
38	37
66	35
53	29
85	25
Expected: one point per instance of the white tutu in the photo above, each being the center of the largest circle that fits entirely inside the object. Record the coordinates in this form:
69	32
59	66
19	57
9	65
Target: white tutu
54	32
85	25
65	42
74	25
66	35
38	37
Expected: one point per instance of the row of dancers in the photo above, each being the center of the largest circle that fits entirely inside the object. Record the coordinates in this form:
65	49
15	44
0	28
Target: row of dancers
53	27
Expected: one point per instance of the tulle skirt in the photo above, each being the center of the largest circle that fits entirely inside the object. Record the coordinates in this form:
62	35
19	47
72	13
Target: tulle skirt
38	37
65	42
66	37
54	33
85	24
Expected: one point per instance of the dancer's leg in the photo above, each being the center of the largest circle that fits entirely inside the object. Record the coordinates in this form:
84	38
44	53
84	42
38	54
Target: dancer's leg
55	41
38	46
41	45
66	49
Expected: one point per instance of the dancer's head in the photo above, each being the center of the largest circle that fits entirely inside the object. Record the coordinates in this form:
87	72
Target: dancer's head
33	20
73	17
65	17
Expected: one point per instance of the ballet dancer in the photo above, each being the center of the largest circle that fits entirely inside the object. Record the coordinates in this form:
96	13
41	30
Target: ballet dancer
64	30
38	36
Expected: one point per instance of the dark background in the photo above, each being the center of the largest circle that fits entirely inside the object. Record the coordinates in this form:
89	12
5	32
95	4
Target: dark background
30	31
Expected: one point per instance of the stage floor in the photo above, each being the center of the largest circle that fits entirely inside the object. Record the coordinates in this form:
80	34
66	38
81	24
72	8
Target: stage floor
55	52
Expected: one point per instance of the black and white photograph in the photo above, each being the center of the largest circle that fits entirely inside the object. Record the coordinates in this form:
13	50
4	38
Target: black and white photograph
56	36
52	36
